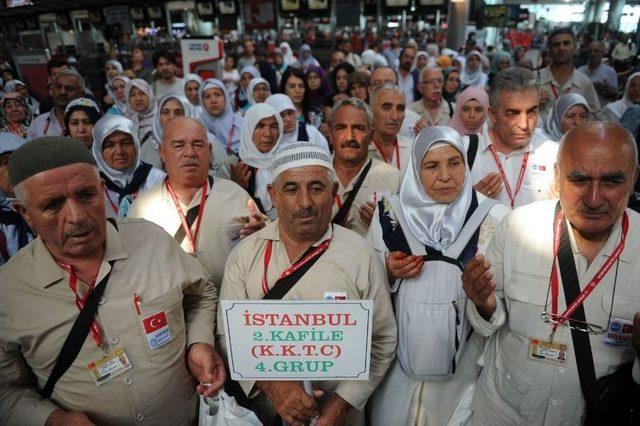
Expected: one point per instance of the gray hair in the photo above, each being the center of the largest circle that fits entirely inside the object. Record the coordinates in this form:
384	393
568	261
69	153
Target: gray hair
356	103
425	70
22	194
382	87
512	80
71	72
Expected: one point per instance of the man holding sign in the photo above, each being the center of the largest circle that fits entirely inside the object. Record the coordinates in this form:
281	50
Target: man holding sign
303	256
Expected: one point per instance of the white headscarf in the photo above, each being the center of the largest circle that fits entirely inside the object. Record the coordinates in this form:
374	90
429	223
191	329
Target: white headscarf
472	78
192	77
122	107
116	64
282	102
11	85
618	108
251	155
287	55
105	127
252	85
142	121
434	224
560	108
222	125
157	124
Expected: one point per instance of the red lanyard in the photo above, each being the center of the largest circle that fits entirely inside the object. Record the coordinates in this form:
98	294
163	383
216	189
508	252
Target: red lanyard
299	264
555	92
597	278
80	301
512	195
46	126
384	157
192	236
230	139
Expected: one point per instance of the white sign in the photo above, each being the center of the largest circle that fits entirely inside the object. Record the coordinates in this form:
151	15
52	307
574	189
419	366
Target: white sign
298	339
202	56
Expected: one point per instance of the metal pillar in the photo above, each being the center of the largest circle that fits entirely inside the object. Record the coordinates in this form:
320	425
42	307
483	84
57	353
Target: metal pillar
457	22
615	14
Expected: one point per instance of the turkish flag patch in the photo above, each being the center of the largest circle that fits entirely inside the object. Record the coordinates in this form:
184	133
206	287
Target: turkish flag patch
156	328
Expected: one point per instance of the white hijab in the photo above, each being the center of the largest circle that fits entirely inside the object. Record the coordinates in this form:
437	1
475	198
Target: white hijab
619	107
106	126
222	125
287	54
122	107
472	78
252	85
192	77
434	224
142	121
560	108
282	102
157	124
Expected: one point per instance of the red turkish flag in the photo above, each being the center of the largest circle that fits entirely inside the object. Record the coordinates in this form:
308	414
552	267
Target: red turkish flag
154	322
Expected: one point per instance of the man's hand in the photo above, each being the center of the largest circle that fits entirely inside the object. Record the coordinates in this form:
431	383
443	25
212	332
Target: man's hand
333	411
255	222
366	212
68	418
478	283
490	185
402	265
240	174
290	400
635	334
207	367
420	124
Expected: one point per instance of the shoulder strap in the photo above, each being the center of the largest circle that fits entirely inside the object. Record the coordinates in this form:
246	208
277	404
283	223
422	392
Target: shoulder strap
302	132
76	337
472	225
450	108
190	217
343	213
472	150
284	284
417	248
581	343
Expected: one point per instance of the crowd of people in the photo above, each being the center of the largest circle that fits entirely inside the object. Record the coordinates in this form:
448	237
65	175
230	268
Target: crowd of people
456	189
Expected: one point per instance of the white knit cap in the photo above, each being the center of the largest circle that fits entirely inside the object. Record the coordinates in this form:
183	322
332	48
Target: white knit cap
300	154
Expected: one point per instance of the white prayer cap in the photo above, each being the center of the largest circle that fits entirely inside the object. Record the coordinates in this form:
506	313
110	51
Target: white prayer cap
300	154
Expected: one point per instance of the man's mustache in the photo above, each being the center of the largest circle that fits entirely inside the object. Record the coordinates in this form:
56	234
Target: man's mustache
304	213
351	143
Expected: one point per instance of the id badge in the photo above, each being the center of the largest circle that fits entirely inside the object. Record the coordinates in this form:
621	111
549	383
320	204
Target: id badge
544	350
619	333
109	366
156	330
335	295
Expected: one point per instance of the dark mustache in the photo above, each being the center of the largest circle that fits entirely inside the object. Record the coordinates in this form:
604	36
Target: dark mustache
351	143
304	213
78	230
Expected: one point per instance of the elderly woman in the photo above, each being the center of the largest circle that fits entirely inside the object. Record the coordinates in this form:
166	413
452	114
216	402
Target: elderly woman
472	74
437	218
247	74
294	130
142	107
261	134
111	69
16	115
258	91
218	116
116	89
22	89
192	83
470	114
614	110
171	106
117	152
569	111
80	116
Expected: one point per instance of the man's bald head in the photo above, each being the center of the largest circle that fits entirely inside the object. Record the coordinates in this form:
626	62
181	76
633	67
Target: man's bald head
595	174
179	124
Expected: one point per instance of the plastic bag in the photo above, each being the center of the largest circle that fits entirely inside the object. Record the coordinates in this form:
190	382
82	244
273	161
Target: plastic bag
223	410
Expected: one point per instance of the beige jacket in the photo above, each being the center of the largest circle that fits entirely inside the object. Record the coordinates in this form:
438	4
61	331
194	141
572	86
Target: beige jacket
225	208
37	310
349	265
514	389
381	180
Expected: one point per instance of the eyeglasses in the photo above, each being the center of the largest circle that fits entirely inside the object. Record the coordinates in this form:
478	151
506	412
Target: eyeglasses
585	327
433	81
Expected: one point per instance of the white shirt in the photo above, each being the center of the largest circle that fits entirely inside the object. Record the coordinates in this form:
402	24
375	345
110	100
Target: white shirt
409	122
538	178
406	84
160	88
45	125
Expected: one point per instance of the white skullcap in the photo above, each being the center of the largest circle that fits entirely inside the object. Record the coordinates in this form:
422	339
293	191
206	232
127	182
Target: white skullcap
300	154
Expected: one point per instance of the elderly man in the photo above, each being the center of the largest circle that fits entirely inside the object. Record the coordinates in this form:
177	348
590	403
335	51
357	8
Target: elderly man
560	77
558	288
206	216
603	76
361	180
67	85
432	108
303	190
387	144
145	323
513	162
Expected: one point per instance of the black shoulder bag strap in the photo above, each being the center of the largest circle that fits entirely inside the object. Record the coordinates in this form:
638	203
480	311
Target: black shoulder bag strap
581	343
341	215
472	150
284	284
78	334
191	216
